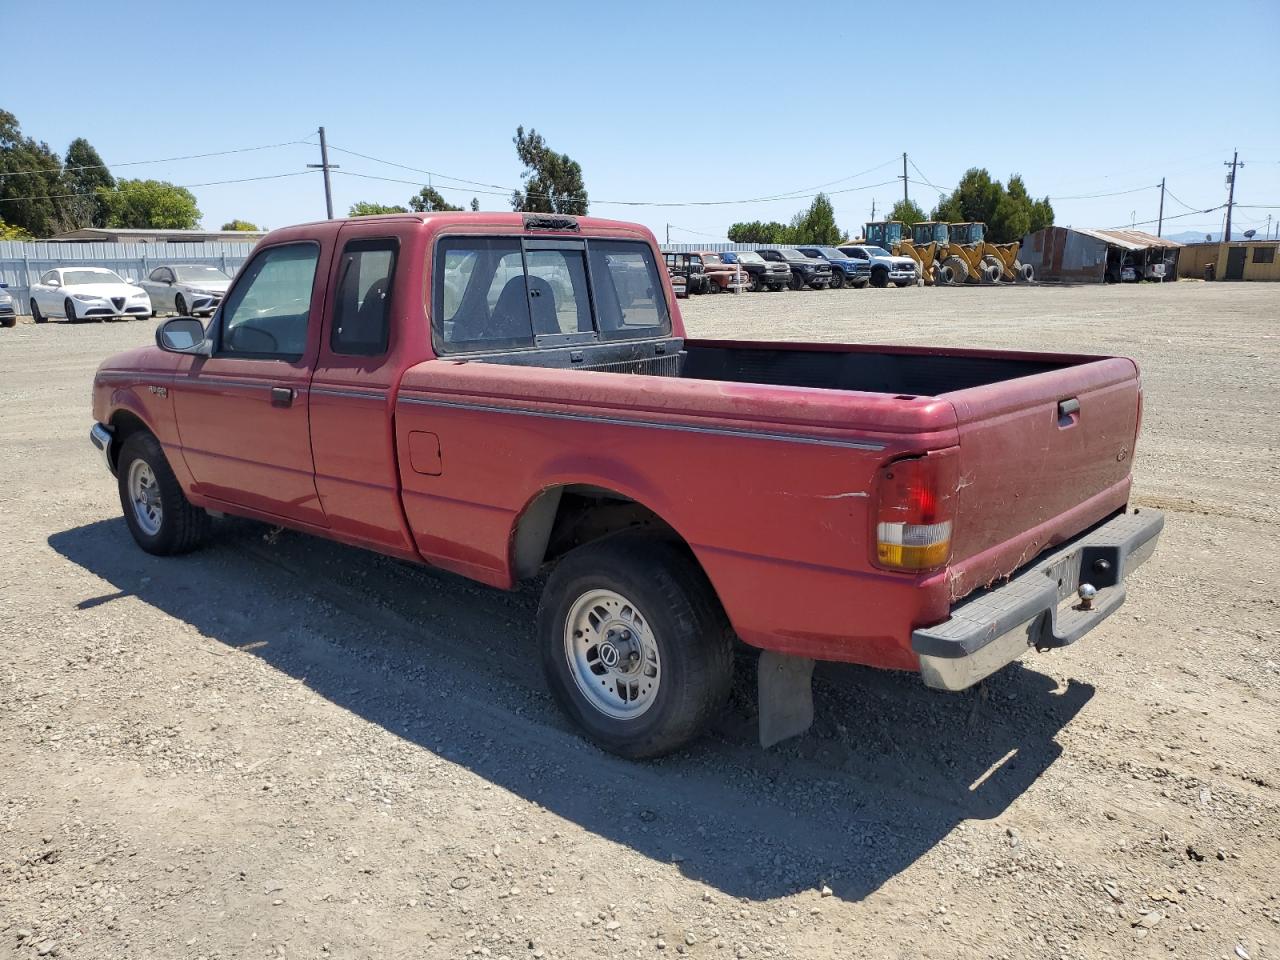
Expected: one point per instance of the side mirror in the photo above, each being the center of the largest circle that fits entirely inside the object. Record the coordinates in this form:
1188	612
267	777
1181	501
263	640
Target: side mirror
183	335
55	284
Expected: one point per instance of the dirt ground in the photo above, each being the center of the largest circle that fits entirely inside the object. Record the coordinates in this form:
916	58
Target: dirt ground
278	747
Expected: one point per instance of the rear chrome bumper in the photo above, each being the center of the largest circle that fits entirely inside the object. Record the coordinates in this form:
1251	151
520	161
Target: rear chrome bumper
993	628
100	437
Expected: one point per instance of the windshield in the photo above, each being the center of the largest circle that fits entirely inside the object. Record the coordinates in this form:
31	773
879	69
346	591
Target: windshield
878	252
711	258
792	254
831	253
749	258
72	278
199	271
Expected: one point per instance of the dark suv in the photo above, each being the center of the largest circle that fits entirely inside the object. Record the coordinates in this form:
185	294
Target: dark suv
805	271
763	274
845	270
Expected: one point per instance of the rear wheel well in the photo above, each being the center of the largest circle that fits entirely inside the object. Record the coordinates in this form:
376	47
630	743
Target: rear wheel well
562	518
124	425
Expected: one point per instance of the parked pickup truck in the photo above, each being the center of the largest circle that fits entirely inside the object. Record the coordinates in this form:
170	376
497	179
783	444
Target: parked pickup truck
507	395
762	274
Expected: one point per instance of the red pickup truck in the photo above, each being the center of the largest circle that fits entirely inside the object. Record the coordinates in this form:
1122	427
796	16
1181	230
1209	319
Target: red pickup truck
508	395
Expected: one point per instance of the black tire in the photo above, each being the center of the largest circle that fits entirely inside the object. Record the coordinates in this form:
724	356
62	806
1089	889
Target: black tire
879	277
777	287
755	286
904	283
9	320
837	281
797	283
36	315
712	286
182	527
69	311
693	638
180	306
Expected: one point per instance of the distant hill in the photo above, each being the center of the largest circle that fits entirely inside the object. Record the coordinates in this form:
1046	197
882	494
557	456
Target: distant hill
1197	236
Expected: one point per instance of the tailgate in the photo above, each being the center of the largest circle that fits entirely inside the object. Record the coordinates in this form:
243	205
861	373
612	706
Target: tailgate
1042	458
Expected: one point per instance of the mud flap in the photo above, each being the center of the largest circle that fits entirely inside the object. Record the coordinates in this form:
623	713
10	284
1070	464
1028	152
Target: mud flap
784	689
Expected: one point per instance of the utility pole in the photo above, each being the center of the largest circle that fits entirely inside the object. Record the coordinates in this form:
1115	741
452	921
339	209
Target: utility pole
1231	190
1160	224
904	178
668	234
873	208
326	166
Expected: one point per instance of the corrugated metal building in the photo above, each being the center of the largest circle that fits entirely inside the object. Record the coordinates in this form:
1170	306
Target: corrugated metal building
1239	260
1076	254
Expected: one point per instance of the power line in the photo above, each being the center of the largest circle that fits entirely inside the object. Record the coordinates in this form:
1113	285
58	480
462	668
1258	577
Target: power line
1183	202
135	163
1141	223
925	179
799	194
1117	193
208	183
503	191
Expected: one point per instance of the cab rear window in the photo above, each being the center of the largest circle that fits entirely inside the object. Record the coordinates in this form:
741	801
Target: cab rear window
511	293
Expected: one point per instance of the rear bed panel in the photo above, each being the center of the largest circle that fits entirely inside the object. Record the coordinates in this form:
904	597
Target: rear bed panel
1032	477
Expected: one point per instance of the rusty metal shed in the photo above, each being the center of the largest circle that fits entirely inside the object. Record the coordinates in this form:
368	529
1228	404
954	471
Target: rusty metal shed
1080	255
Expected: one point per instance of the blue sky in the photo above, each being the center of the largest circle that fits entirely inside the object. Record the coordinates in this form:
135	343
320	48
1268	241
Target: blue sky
670	102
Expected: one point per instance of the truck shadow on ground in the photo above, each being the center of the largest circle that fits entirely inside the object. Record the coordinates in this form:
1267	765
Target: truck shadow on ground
888	772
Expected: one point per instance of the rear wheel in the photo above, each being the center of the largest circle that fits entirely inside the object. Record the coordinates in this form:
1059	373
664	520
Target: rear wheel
879	277
957	269
156	510
36	315
634	644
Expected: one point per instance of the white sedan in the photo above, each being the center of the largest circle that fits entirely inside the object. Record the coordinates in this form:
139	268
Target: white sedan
187	289
86	293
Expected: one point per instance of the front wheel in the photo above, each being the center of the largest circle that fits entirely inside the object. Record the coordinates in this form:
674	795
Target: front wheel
880	277
36	315
69	311
635	646
837	281
156	510
755	286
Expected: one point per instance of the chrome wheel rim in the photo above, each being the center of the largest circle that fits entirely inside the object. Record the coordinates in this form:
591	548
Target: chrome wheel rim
612	654
144	494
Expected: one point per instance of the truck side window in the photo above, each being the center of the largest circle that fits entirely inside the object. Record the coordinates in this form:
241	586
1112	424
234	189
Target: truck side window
480	298
362	306
628	290
265	316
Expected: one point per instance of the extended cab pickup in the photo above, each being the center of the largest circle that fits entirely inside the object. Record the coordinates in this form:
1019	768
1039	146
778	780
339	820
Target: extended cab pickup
506	395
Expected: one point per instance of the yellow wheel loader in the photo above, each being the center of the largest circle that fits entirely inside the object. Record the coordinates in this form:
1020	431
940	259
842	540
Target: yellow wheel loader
998	258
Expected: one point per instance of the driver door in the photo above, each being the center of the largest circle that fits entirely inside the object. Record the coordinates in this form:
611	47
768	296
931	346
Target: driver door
243	412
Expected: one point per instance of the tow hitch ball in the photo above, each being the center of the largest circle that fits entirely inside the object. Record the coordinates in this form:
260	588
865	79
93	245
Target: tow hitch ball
1087	592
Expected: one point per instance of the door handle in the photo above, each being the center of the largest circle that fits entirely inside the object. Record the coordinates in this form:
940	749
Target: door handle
282	396
1068	412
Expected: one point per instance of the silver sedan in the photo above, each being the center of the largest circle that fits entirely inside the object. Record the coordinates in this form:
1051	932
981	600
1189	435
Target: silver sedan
186	289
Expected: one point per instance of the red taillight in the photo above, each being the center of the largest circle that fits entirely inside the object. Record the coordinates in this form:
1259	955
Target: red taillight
915	507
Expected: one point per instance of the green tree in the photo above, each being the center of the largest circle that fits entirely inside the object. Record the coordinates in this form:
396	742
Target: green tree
85	175
154	204
475	205
552	181
241	225
1009	212
31	182
755	231
907	211
816	225
366	208
427	200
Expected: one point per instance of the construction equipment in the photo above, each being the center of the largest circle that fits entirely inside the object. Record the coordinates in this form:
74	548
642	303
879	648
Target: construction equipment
1002	258
894	236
